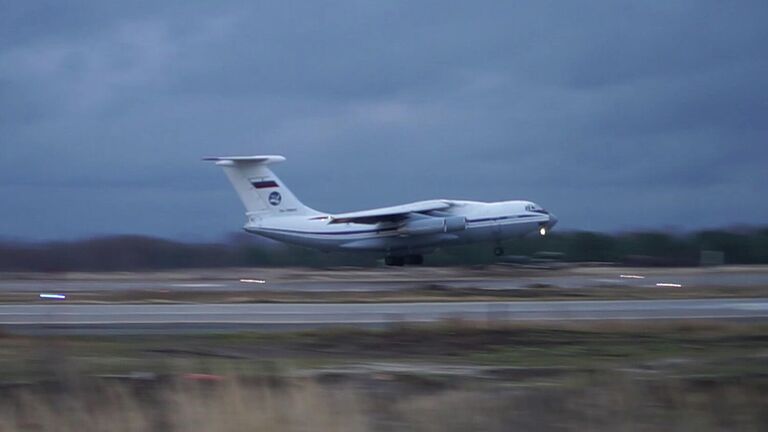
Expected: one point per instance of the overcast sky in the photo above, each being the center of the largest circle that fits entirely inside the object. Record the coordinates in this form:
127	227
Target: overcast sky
614	115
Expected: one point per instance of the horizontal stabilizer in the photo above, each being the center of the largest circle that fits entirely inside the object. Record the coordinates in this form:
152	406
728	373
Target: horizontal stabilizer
231	160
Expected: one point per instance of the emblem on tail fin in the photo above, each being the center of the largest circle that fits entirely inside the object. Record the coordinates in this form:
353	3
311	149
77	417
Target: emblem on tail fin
275	198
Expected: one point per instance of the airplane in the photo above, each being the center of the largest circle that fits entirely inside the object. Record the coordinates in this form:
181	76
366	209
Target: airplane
402	234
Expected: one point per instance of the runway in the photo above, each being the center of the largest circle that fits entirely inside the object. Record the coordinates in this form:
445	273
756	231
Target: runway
61	317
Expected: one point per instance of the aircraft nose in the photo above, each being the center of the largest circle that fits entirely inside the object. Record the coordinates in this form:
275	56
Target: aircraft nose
552	221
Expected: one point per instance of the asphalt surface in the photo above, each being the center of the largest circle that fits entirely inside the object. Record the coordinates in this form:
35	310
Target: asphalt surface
61	317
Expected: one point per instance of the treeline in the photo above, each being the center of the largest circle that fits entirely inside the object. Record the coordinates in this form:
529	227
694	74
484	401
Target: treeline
134	253
656	248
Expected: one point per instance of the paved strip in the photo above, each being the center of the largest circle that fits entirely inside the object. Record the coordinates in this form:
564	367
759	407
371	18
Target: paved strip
367	313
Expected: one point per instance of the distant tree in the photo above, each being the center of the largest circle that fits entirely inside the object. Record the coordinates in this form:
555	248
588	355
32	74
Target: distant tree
133	253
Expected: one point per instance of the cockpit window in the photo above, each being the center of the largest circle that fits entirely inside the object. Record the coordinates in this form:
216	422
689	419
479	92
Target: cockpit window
535	209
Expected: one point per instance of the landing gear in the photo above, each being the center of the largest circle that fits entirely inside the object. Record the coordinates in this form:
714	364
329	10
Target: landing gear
498	251
396	261
414	260
399	261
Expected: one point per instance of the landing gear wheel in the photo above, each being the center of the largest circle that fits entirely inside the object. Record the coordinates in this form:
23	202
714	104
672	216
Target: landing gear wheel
394	261
414	260
498	251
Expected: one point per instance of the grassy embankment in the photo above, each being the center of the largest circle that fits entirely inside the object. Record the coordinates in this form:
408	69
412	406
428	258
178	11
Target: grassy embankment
452	376
424	293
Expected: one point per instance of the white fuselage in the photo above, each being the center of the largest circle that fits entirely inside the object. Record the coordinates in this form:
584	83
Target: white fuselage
401	233
485	222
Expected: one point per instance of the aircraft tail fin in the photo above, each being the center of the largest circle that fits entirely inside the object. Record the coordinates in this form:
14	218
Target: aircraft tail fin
260	190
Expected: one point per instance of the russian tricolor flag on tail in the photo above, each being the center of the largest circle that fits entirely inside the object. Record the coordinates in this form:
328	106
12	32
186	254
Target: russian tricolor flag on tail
264	184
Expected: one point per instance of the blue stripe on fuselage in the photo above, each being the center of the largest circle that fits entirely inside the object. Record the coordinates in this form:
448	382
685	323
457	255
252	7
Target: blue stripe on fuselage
380	230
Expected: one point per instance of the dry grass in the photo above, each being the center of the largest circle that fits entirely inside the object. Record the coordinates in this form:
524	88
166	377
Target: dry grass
608	402
432	292
413	283
613	378
228	406
718	346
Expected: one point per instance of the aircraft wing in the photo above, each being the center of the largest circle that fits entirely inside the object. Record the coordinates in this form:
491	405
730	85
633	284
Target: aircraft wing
388	214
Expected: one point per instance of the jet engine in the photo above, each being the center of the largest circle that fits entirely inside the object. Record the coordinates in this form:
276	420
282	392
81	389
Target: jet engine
434	225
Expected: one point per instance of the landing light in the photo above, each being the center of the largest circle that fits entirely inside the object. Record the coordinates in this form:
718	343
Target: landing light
543	231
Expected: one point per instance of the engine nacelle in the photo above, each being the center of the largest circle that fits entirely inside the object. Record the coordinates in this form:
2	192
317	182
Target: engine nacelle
434	225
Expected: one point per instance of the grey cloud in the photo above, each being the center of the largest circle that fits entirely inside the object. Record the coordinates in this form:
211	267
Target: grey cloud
629	106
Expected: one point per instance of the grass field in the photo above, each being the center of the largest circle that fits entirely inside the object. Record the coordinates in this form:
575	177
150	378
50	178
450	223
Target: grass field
411	284
450	376
433	292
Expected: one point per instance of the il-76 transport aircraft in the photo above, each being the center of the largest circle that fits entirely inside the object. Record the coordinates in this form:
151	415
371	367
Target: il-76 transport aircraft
402	234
